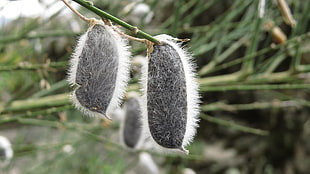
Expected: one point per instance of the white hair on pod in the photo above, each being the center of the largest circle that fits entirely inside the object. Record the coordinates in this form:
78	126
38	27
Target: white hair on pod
100	68
131	132
171	96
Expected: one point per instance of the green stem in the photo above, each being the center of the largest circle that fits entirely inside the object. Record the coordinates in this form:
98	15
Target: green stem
296	59
220	106
278	77
303	68
44	123
220	58
116	20
272	63
9	118
54	87
177	8
248	65
49	101
233	125
290	44
254	87
15	38
220	79
34	67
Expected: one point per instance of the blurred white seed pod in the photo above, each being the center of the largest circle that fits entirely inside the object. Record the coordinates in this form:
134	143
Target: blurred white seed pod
137	10
147	165
142	10
100	68
171	96
68	149
6	151
131	127
188	171
118	115
137	63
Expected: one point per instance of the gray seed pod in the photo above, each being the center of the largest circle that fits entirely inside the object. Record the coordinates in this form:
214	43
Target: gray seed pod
131	128
171	95
100	68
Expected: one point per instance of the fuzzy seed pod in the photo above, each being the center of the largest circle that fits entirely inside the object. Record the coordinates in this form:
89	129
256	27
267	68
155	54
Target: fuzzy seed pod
171	95
131	128
100	68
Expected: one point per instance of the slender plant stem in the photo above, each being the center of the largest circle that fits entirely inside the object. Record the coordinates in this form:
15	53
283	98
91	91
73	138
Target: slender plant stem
9	118
177	9
56	124
34	67
274	62
233	125
219	106
221	79
303	68
27	149
248	65
44	123
254	87
62	100
15	38
285	76
49	101
76	12
56	86
296	59
220	58
289	43
106	15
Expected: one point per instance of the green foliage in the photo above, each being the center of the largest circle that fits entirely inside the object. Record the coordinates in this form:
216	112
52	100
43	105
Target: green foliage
255	92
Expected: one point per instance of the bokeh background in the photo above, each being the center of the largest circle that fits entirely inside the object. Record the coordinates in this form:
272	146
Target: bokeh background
253	70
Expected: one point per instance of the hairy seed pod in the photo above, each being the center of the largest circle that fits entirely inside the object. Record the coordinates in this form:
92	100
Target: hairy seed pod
100	68
131	128
171	95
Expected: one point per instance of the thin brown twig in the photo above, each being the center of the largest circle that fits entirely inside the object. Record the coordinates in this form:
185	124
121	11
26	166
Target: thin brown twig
76	12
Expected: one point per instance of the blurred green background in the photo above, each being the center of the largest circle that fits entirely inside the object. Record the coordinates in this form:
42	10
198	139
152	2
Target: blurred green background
254	76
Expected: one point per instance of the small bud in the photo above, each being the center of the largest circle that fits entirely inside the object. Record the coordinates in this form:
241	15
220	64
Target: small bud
278	35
